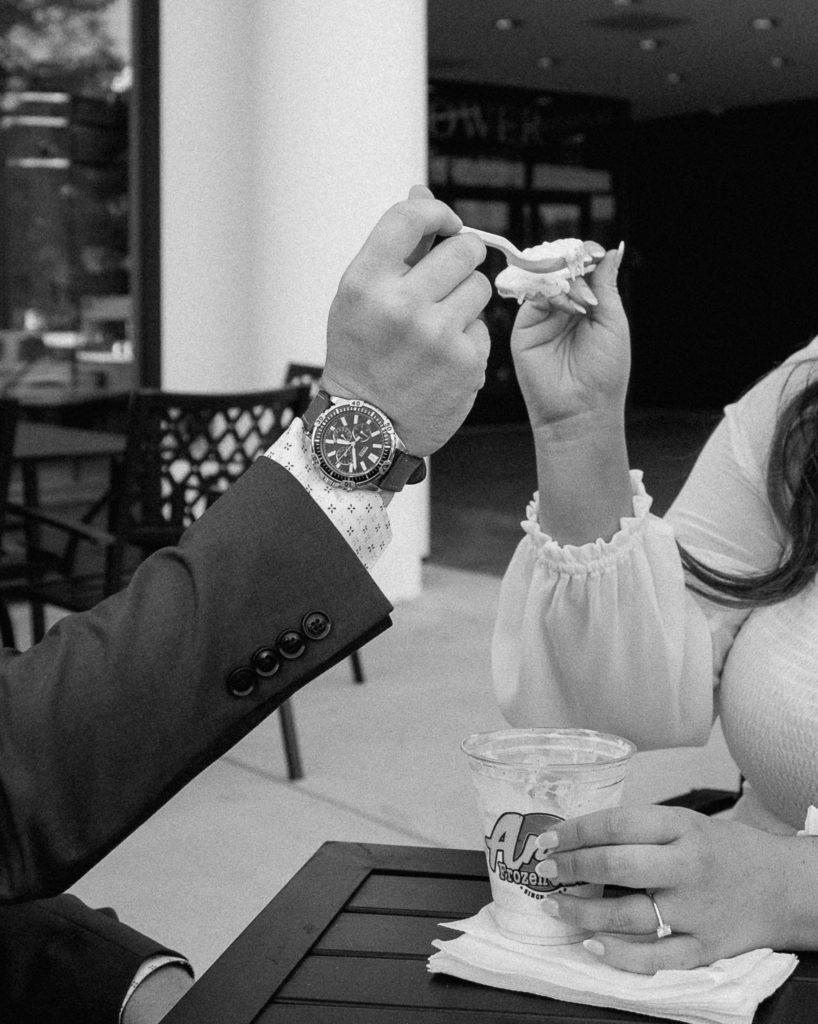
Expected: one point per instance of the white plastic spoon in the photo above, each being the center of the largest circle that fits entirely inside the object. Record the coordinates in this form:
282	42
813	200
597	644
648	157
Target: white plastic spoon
535	265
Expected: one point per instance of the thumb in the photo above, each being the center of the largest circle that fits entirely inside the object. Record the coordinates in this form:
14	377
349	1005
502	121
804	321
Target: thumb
420	192
604	279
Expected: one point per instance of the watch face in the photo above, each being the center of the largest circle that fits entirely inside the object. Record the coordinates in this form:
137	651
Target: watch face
353	444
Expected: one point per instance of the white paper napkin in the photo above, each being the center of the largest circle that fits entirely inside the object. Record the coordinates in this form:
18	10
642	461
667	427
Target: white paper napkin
811	823
727	992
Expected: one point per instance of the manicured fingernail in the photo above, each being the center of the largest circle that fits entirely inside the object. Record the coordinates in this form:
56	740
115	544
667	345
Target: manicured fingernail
620	252
594	946
547	869
550	907
591	299
578	308
547	841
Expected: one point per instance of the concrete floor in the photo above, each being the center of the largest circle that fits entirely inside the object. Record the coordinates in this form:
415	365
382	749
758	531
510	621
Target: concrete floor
381	760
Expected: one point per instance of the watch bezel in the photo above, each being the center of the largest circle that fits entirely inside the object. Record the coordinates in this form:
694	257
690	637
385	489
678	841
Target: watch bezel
351	481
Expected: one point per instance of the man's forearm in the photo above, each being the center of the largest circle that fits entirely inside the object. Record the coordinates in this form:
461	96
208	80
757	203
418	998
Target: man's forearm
144	686
62	961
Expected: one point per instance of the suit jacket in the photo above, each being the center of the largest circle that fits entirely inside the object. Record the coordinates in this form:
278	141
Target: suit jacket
62	962
117	708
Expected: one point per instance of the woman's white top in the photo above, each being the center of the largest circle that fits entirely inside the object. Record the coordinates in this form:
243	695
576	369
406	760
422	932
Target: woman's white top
607	636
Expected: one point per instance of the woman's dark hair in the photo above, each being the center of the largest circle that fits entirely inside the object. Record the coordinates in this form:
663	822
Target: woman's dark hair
792	489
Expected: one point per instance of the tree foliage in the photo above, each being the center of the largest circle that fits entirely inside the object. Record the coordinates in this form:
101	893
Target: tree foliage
57	43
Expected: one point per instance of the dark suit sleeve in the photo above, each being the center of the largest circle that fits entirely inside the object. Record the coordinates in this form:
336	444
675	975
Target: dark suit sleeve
62	962
117	708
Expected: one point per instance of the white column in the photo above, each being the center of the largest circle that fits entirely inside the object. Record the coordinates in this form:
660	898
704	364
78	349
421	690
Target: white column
288	127
209	336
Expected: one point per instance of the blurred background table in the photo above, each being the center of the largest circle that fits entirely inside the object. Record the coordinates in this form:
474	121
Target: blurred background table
72	405
42	445
42	442
55	377
36	444
347	939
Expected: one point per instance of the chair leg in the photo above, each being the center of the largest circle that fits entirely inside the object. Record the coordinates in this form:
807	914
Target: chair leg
37	621
6	627
288	733
357	667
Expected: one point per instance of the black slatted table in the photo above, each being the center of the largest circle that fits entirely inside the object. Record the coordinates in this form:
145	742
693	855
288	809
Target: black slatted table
347	939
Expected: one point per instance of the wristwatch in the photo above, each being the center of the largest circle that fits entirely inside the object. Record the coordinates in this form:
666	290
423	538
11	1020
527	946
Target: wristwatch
354	445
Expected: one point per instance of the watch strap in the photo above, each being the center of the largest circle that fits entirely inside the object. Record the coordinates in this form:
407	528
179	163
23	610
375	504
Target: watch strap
405	469
320	403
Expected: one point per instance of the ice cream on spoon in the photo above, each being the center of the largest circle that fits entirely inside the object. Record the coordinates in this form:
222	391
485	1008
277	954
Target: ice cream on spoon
577	258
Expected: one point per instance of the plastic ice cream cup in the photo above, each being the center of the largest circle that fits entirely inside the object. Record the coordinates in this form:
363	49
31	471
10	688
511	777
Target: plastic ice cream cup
526	781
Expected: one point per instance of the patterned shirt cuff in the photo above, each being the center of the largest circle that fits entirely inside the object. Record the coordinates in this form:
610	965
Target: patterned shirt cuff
359	516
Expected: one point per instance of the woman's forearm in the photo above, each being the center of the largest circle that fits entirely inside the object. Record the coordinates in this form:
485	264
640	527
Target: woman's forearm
799	866
583	477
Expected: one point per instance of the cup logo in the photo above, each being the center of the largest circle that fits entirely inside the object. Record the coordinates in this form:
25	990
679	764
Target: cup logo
513	853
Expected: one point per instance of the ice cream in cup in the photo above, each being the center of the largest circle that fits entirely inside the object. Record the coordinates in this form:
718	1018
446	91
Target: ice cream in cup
526	781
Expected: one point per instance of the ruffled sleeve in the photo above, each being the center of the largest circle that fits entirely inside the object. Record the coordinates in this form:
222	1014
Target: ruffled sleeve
604	635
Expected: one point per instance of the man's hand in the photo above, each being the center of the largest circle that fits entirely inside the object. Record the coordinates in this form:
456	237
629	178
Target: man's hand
403	330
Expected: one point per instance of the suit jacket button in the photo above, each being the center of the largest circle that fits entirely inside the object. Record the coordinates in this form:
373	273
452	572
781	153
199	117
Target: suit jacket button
265	662
316	625
291	644
241	682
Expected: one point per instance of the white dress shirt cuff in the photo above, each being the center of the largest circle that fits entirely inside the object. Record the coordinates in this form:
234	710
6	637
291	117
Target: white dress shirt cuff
359	516
146	968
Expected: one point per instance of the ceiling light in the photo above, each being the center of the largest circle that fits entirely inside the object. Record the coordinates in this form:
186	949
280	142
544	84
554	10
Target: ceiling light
625	3
649	44
674	78
764	24
547	63
780	62
507	24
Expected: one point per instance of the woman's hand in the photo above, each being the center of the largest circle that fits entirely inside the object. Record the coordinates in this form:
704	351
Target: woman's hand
573	371
568	362
723	888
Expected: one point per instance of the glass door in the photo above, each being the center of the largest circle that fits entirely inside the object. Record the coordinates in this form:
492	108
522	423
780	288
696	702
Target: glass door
72	187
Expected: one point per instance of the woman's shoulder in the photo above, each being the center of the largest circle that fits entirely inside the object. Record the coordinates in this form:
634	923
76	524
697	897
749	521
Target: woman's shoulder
805	356
780	384
751	420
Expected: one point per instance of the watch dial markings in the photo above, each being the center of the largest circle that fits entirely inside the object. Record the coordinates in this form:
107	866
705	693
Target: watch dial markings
353	447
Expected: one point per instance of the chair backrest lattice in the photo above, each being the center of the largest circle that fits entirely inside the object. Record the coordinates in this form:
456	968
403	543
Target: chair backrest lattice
185	449
304	373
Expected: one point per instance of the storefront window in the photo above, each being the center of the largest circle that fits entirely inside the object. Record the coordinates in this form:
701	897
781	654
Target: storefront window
531	166
65	258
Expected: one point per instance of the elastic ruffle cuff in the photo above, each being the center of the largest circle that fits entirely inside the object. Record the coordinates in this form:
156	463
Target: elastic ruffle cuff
597	554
